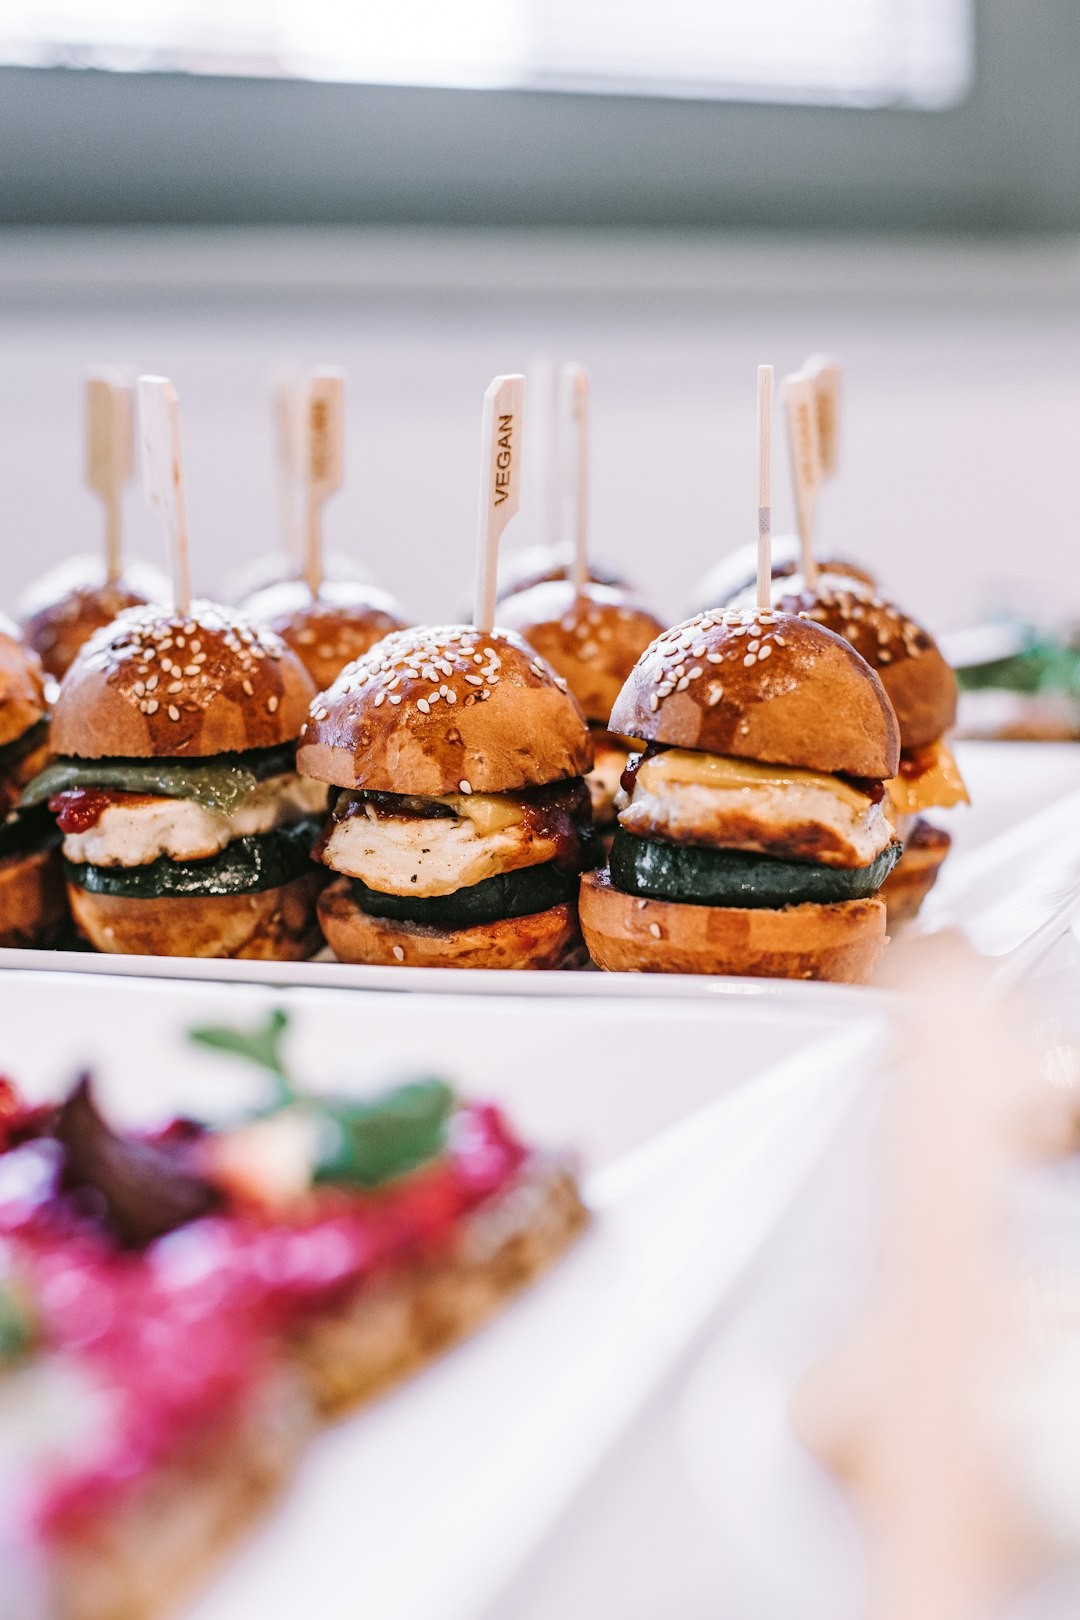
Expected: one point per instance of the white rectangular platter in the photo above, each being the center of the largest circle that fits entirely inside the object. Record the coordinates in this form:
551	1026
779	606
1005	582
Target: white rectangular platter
1004	881
692	1149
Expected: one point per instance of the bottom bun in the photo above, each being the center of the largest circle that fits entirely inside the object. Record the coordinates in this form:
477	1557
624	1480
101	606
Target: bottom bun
915	873
33	907
628	934
270	925
544	939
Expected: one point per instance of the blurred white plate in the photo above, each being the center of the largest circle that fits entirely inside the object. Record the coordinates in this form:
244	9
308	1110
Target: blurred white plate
996	891
428	1503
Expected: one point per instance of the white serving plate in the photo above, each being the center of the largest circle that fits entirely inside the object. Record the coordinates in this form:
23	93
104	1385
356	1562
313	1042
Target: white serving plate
998	892
429	1503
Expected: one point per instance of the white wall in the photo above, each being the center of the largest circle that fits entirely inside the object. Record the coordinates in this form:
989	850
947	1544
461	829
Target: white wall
962	411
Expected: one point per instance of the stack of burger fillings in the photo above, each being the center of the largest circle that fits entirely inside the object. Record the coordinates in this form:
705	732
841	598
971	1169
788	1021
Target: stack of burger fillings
32	906
462	820
187	831
326	622
589	633
922	690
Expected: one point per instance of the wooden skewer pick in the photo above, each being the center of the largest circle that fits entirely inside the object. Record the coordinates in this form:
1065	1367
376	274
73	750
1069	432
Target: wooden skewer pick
163	476
500	485
324	463
800	400
827	376
574	415
110	454
287	458
543	456
764	490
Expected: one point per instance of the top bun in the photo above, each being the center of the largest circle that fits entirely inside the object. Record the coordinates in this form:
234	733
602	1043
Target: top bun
593	637
430	709
920	684
22	693
537	565
64	608
330	630
737	572
762	686
156	684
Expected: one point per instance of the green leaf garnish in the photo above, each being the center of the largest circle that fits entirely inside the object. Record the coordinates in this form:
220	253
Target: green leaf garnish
369	1143
259	1046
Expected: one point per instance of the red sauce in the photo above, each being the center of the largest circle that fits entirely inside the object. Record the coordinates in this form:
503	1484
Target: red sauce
182	1332
915	762
874	790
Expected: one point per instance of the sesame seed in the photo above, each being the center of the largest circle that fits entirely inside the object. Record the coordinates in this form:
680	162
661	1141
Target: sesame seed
695	673
682	684
271	704
174	712
641	904
380	697
714	658
191	669
751	658
654	702
475	680
399	954
451	697
654	930
395	697
423	705
765	651
464	786
249	689
716	692
152	705
175	686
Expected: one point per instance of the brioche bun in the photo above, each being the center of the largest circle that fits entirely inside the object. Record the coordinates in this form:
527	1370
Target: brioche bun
544	939
33	907
155	684
330	630
915	873
22	690
767	687
626	934
920	684
737	572
64	609
266	925
536	565
592	637
428	709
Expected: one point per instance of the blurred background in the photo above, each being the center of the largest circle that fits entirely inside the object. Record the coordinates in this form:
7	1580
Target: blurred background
670	191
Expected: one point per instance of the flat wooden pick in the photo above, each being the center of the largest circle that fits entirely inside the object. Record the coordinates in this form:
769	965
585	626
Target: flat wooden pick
800	402
898	1412
500	484
163	476
827	375
110	453
324	430
574	414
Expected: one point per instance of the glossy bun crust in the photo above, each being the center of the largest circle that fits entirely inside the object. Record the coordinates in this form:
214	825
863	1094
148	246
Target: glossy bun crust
592	638
62	611
33	906
270	925
158	685
766	687
330	630
544	939
920	684
915	873
737	572
428	709
625	934
22	693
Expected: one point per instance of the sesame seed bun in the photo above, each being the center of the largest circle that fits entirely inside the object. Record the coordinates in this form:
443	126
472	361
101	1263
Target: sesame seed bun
592	638
537	565
545	939
155	684
737	572
65	608
920	684
33	907
330	630
429	709
915	873
22	692
773	688
625	934
268	925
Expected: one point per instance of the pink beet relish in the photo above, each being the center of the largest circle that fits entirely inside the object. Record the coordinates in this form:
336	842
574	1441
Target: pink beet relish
182	1333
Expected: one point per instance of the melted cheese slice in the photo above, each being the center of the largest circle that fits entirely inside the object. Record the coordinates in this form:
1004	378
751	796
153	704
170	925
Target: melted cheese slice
939	786
714	801
135	834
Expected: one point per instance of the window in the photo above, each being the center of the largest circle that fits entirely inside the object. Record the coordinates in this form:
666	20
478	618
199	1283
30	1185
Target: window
869	53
